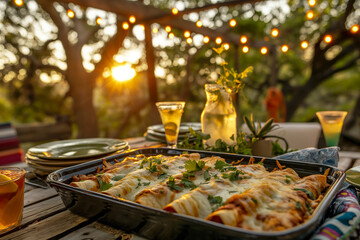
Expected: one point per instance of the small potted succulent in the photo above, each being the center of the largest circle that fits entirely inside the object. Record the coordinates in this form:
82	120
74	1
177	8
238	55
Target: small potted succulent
260	137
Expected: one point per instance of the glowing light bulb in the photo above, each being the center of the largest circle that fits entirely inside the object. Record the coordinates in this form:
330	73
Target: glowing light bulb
198	23
189	40
232	23
70	13
328	38
142	27
226	46
245	49
264	50
218	40
310	14
155	30
132	19
168	28
274	32
125	25
187	34
19	3
171	35
354	29
99	21
174	11
243	39
284	48
304	44
206	39
312	3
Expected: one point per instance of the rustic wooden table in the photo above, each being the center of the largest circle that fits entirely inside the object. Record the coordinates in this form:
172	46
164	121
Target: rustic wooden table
45	216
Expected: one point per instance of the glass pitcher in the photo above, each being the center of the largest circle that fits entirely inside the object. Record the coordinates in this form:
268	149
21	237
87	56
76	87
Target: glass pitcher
219	116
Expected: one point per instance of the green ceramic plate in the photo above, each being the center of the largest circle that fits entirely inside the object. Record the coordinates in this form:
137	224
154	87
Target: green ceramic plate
353	176
77	148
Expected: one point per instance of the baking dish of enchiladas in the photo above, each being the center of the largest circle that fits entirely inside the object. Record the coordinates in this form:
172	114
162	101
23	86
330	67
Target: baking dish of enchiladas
168	194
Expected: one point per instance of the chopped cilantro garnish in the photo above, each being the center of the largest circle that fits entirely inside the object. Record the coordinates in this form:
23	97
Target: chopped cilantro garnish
219	165
146	184
103	185
231	192
234	175
162	175
216	202
308	206
172	185
207	176
308	193
254	200
193	165
298	205
117	178
187	174
164	166
188	183
261	163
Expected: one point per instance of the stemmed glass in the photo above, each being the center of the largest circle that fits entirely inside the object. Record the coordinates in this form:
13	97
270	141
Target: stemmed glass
170	113
331	123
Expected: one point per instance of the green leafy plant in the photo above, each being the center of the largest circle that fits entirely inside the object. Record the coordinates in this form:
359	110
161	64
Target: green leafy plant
229	78
259	132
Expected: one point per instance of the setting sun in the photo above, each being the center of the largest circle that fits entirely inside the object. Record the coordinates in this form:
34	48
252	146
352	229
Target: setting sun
123	73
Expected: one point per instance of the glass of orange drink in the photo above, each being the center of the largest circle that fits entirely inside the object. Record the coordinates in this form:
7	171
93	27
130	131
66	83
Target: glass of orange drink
331	123
170	113
12	181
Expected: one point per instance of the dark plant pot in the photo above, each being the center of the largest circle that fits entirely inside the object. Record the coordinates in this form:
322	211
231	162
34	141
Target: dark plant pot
262	148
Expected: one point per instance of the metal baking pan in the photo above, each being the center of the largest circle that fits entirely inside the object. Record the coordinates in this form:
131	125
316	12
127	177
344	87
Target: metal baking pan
153	223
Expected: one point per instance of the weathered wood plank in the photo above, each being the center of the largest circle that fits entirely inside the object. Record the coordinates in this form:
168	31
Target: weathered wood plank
94	231
356	163
41	210
38	194
47	228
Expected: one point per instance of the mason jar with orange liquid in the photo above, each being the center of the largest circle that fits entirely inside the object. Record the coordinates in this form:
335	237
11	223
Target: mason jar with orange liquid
12	181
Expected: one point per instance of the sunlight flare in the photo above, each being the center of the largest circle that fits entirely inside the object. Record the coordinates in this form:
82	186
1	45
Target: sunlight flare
123	73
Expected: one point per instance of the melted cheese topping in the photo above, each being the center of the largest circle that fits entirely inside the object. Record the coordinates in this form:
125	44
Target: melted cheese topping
246	196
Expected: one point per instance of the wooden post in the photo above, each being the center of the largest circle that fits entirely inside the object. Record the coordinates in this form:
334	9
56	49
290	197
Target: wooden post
236	97
150	60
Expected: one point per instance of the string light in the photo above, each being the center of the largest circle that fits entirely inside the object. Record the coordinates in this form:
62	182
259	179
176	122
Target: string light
312	3
232	23
310	14
189	40
218	40
284	48
304	44
174	11
70	13
132	19
327	38
142	27
199	24
171	35
354	29
19	3
155	30
206	39
243	39
274	32
168	28
125	25
99	21
264	50
187	34
226	46
245	49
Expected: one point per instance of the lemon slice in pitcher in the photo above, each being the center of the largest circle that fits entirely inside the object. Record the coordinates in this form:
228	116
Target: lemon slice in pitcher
7	187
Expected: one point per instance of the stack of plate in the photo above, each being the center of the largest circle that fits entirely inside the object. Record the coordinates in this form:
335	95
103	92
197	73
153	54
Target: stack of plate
52	156
157	132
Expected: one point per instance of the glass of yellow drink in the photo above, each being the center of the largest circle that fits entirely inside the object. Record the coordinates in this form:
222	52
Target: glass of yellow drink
331	123
170	113
12	181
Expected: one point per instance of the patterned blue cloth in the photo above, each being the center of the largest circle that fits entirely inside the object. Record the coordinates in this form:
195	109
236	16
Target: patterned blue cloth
343	215
327	156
